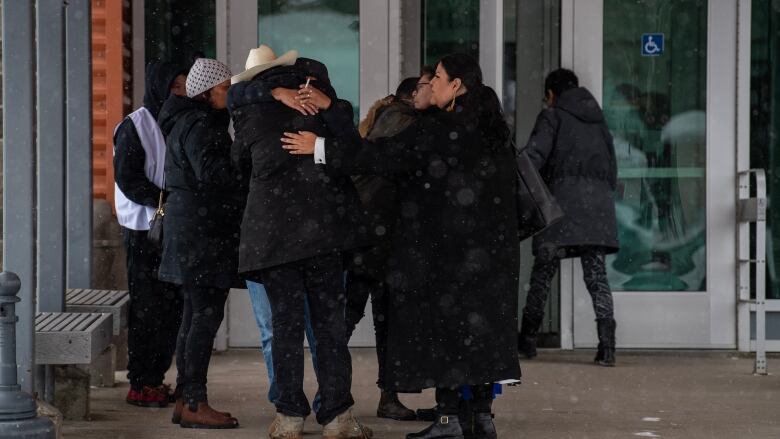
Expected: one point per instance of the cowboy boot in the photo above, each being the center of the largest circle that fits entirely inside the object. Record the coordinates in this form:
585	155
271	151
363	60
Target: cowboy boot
346	426
205	417
286	427
391	408
605	355
445	427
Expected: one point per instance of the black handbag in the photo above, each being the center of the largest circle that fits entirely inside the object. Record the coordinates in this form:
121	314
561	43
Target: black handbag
155	235
536	205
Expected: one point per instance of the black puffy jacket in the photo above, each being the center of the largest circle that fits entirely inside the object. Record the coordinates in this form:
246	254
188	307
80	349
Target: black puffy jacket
129	155
205	201
572	148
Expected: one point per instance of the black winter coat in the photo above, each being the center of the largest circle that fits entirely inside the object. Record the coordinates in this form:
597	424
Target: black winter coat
129	154
572	148
204	207
452	274
377	193
294	211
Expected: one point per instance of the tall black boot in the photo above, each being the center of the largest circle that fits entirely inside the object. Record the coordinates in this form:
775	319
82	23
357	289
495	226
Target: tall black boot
445	427
484	427
466	418
605	355
526	343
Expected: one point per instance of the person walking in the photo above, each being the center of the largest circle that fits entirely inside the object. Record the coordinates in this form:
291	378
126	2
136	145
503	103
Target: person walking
201	226
297	225
155	309
366	272
453	273
573	150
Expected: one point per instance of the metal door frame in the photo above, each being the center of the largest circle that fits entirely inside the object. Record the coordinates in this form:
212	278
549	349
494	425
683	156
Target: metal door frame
667	319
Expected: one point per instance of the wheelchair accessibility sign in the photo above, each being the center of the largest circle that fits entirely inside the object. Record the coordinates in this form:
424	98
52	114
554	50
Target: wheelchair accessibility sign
652	44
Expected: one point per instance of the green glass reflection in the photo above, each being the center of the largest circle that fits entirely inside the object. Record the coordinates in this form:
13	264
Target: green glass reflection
655	109
765	122
179	30
325	30
449	26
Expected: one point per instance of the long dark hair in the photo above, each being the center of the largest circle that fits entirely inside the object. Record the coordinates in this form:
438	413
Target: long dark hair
480	103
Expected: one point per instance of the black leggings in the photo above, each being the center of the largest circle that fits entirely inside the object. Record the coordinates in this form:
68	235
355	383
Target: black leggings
365	278
204	309
595	275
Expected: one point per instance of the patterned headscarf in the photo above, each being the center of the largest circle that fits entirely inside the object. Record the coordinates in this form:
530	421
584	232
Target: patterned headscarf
205	74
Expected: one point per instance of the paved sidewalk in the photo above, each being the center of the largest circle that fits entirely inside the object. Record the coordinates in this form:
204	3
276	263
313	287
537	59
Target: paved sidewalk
649	394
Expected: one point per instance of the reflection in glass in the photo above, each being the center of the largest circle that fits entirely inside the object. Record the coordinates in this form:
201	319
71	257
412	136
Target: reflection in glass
179	30
450	26
655	109
765	122
325	30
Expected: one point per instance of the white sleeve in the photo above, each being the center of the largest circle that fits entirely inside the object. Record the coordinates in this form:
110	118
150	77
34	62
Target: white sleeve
319	151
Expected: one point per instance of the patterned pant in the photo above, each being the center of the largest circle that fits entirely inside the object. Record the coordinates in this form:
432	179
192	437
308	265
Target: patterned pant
595	275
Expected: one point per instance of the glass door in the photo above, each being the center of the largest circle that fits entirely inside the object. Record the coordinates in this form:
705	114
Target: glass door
764	98
650	64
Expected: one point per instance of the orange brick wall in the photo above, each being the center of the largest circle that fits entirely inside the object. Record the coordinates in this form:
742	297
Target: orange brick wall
110	84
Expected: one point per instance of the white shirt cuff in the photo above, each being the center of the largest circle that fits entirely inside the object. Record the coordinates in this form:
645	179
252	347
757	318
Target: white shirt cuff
319	151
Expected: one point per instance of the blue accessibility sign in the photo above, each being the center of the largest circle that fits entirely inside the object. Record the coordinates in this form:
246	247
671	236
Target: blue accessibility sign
652	44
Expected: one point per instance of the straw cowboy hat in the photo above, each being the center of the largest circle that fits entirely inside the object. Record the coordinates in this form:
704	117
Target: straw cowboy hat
261	59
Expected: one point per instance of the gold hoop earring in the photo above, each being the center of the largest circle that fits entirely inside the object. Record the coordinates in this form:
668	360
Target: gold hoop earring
452	104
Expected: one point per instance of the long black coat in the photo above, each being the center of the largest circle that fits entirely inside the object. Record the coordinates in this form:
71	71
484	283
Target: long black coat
452	274
203	209
572	148
294	210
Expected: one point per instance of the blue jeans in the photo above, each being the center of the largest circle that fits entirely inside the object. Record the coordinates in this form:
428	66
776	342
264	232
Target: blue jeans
262	309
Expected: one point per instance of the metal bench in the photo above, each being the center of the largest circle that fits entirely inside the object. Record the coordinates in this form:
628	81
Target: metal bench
71	338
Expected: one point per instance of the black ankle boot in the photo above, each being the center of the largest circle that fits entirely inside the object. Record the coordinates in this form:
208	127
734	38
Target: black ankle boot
526	343
391	408
426	415
484	427
445	427
605	355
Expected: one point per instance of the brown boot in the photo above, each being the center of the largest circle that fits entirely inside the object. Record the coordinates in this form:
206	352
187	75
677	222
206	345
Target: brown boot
205	417
345	426
177	409
286	427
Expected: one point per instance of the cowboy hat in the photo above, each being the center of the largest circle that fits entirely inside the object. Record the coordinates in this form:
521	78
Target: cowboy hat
261	59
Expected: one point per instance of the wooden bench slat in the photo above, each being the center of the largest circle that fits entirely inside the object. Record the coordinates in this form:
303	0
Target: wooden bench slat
54	320
65	320
106	298
72	338
85	323
41	318
72	292
116	302
93	297
77	295
45	320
